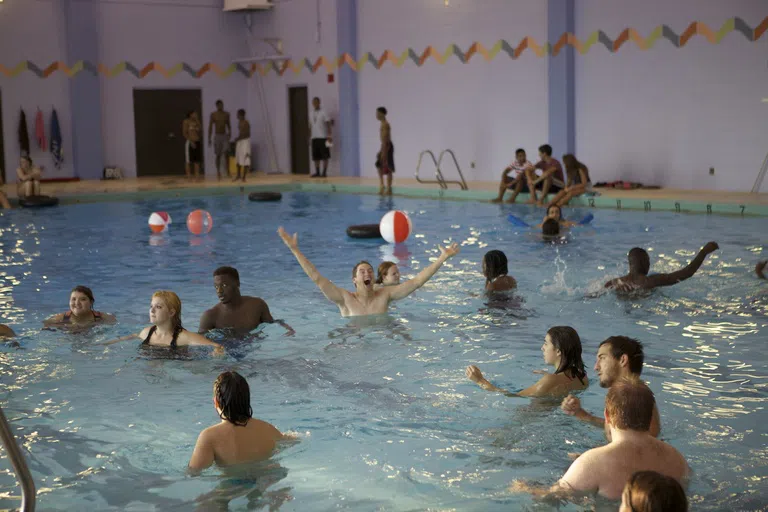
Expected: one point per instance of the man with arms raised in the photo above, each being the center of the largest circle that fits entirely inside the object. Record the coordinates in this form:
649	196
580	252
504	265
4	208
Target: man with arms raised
604	470
365	300
236	311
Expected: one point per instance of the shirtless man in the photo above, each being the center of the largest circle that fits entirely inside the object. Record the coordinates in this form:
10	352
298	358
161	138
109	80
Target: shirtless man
365	300
385	158
604	470
640	265
236	311
193	150
243	145
220	141
618	357
239	438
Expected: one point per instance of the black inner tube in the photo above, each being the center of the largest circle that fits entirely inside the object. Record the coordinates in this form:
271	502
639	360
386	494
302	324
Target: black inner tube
265	196
38	201
364	231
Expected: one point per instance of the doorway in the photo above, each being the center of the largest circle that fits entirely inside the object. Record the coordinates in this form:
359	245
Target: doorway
298	111
2	145
157	116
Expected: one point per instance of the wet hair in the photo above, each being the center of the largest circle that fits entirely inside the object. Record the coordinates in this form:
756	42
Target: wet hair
495	264
567	341
572	165
172	301
233	397
85	291
383	110
219	102
629	404
519	150
639	260
649	491
546	149
621	345
354	270
560	210
227	271
550	227
383	269
241	112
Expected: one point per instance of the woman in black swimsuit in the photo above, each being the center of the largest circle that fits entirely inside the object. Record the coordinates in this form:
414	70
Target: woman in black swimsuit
166	329
81	310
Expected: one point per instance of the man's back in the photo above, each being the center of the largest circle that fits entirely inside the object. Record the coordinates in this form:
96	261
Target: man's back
233	444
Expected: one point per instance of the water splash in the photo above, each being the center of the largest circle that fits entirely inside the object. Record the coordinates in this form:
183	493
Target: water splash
558	284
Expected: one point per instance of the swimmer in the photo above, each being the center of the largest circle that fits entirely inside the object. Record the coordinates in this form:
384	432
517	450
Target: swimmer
556	213
618	357
239	438
365	300
495	272
628	411
649	491
81	311
759	268
389	275
6	332
236	311
166	329
640	264
561	349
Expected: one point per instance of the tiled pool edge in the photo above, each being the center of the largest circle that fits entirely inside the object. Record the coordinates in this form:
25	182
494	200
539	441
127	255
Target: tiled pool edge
601	202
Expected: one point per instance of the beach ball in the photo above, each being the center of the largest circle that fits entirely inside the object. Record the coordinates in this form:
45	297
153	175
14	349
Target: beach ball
199	222
395	227
158	221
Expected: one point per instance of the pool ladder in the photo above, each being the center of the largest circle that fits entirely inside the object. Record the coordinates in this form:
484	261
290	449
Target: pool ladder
19	465
760	176
438	173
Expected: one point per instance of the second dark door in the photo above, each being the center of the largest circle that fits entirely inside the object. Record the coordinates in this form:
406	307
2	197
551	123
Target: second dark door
298	106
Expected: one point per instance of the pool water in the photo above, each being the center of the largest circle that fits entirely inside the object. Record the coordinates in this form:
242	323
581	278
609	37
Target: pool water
386	417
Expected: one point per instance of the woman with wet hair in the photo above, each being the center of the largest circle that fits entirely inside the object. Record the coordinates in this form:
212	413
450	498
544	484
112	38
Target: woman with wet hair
562	350
388	274
81	310
495	270
649	491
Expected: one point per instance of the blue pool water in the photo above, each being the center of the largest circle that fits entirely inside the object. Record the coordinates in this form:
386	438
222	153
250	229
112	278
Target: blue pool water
387	419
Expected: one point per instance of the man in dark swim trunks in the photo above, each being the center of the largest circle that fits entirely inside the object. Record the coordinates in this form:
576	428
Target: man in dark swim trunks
236	311
385	158
640	265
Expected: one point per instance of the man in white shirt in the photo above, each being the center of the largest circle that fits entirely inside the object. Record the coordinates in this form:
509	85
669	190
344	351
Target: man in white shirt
517	183
320	127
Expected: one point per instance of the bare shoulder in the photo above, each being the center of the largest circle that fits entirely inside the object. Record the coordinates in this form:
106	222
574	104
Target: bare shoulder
108	317
145	332
55	319
266	428
255	301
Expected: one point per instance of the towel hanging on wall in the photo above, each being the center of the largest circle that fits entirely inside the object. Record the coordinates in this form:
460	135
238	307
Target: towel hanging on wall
40	130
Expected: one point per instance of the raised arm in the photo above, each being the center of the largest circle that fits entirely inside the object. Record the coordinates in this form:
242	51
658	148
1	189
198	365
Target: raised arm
759	268
682	274
330	290
405	289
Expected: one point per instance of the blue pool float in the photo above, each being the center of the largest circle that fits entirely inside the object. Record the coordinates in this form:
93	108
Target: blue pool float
517	221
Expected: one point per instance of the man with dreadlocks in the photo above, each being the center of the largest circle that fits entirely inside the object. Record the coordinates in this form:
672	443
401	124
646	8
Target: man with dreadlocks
239	438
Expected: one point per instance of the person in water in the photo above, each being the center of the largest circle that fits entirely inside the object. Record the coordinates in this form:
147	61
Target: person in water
556	213
239	438
388	275
495	271
6	332
166	329
759	268
640	265
561	349
550	227
81	310
618	357
236	311
649	491
365	300
605	470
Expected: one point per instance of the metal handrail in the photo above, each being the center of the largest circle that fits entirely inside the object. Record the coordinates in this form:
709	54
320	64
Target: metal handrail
440	180
463	182
760	176
19	465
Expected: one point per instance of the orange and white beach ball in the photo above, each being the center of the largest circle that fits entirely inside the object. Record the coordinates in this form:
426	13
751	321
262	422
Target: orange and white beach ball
159	221
199	222
395	227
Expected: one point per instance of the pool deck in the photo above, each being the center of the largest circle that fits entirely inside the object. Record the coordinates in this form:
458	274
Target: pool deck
694	201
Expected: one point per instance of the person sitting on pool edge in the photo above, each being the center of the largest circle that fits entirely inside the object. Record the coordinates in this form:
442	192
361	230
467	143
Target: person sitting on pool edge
578	181
552	170
28	178
649	491
239	438
518	183
495	269
606	469
561	349
640	265
166	329
235	311
388	275
618	357
365	300
81	310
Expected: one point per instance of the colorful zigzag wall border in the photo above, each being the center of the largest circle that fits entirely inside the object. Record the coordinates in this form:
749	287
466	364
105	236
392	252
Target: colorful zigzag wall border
331	65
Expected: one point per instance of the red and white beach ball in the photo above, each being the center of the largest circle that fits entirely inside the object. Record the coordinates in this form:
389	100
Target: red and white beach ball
395	227
158	221
199	222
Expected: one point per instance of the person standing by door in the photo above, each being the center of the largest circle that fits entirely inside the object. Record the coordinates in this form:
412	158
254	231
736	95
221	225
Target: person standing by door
193	149
220	141
320	128
243	146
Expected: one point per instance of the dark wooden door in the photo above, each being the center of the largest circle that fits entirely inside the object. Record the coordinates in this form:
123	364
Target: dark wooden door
298	106
158	115
2	145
